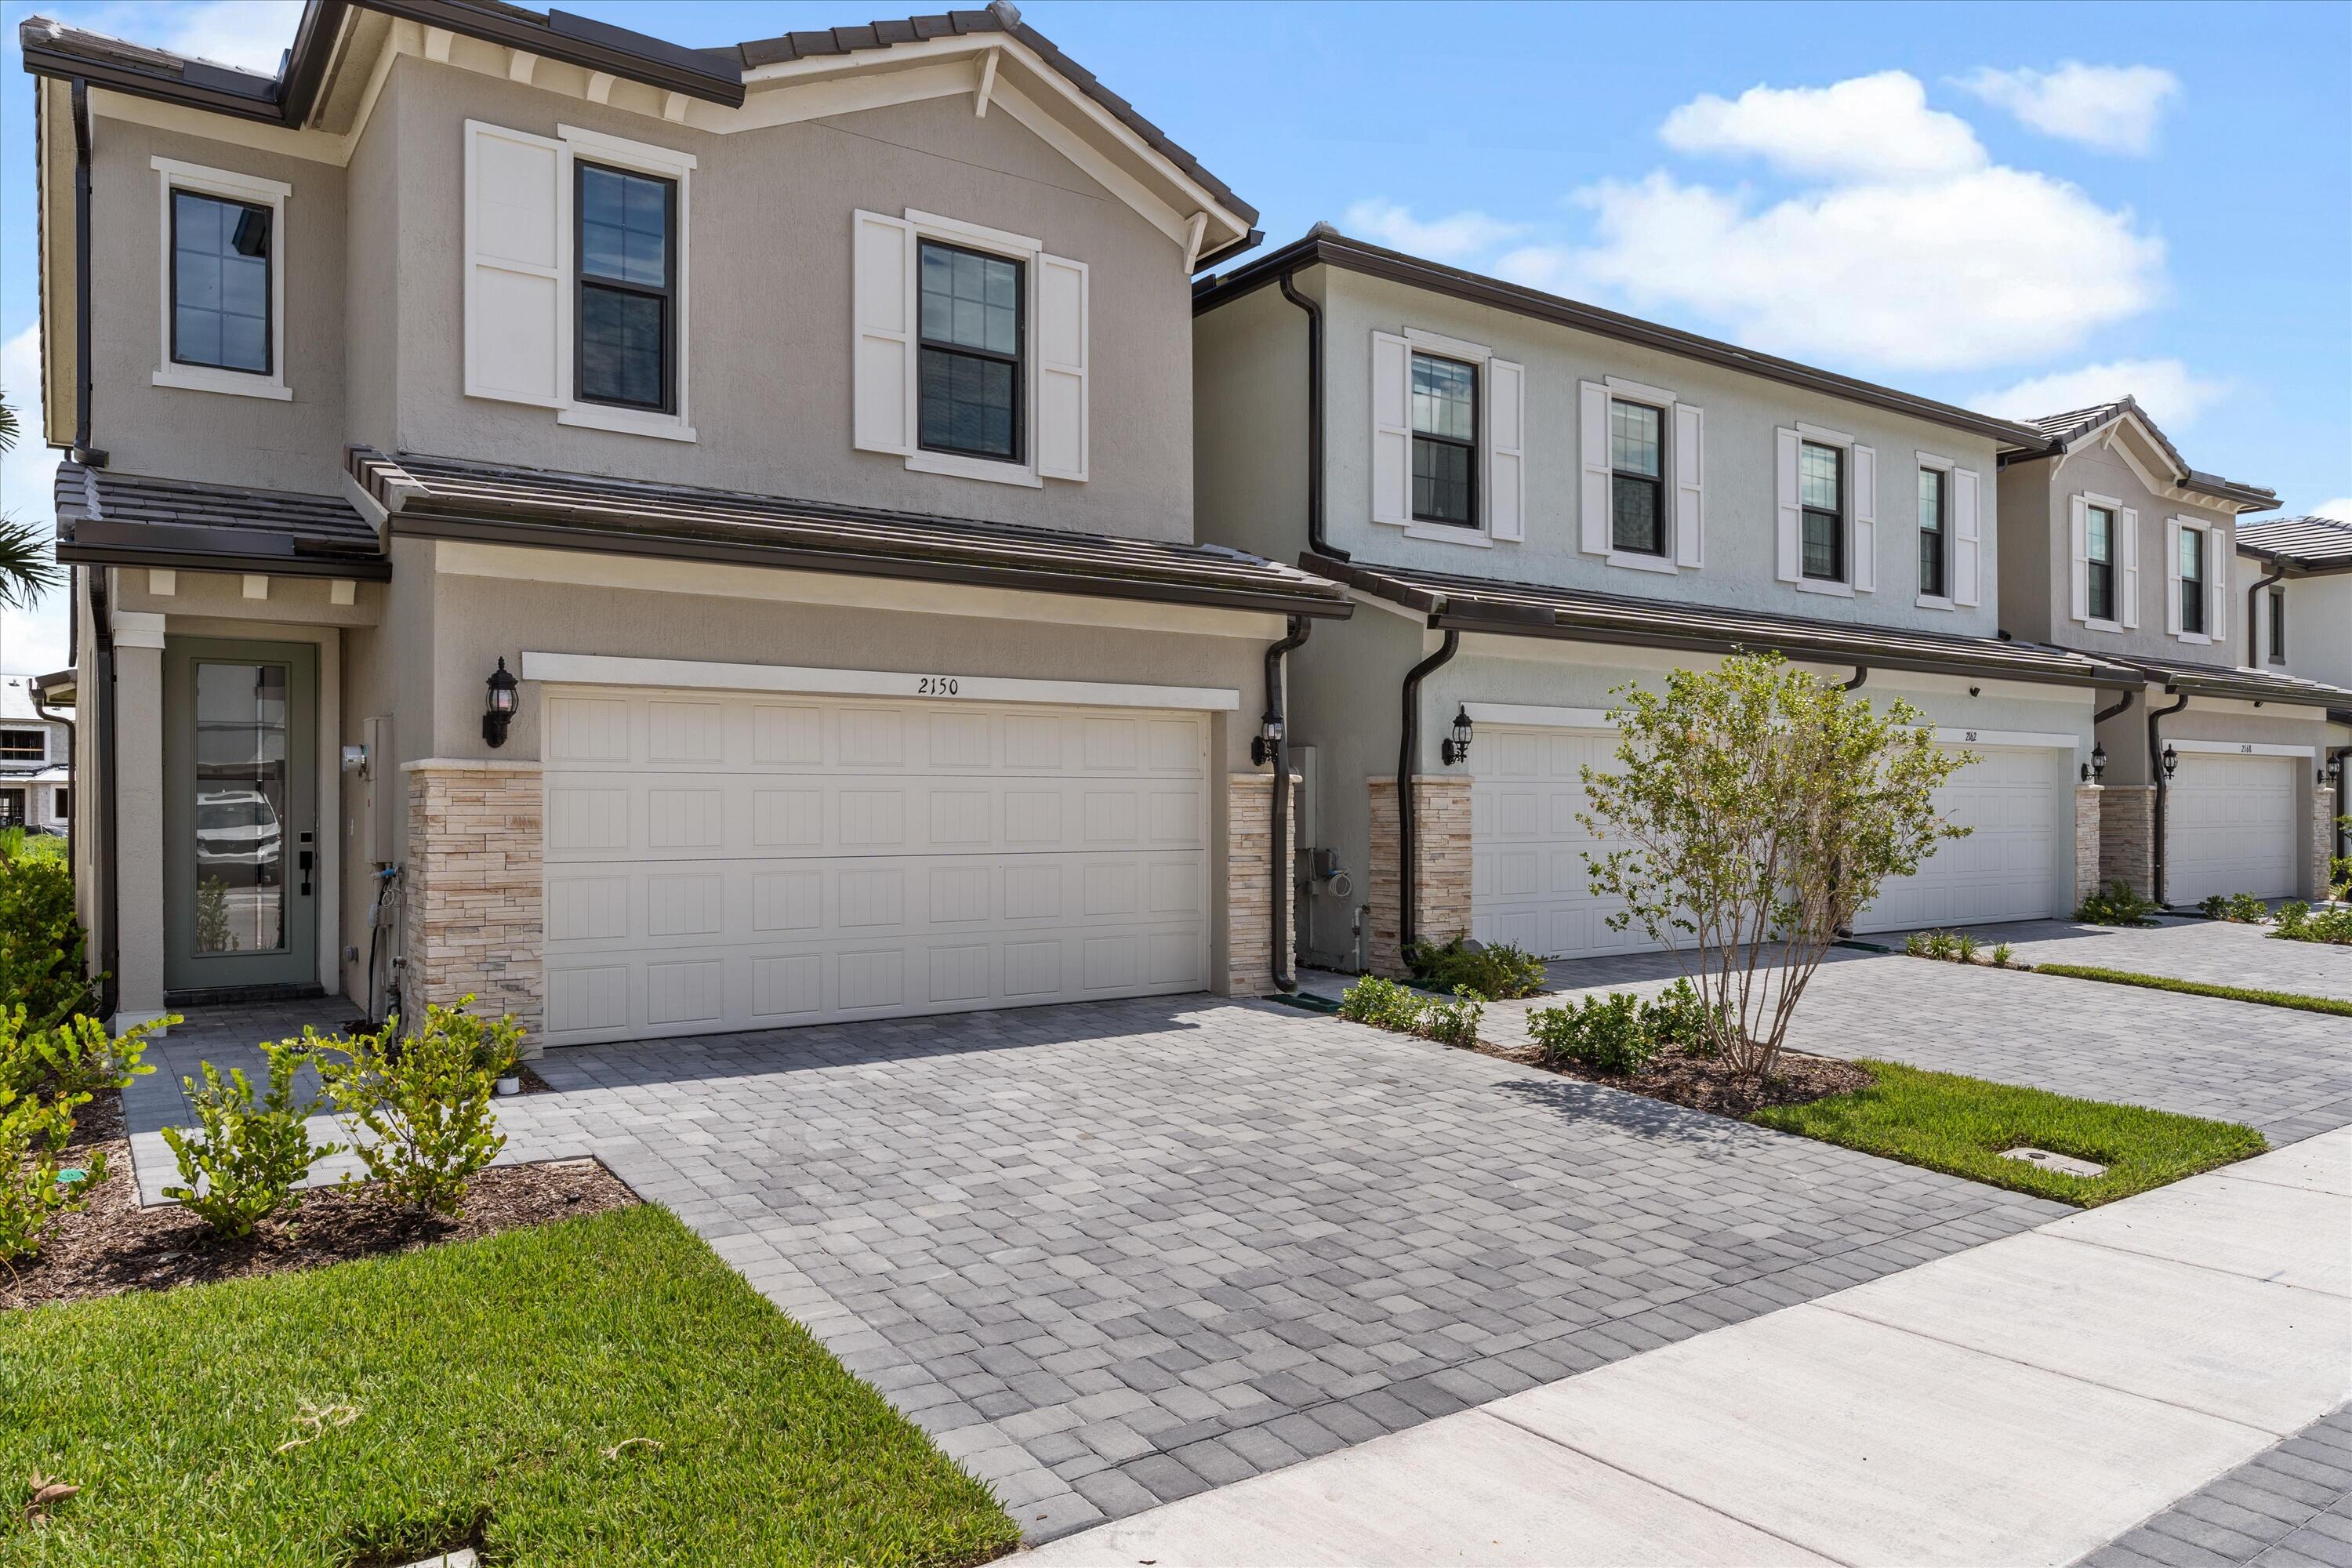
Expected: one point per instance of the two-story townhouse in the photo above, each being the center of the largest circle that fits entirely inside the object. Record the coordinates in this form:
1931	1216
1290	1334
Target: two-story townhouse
665	539
36	759
2216	776
1535	503
2298	576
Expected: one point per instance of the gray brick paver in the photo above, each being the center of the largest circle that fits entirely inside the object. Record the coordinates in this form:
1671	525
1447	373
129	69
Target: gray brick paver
2261	1512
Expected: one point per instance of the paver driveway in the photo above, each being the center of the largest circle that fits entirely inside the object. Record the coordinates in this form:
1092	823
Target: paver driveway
1113	1253
2217	953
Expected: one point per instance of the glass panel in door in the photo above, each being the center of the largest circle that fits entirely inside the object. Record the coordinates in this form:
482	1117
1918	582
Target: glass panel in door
241	806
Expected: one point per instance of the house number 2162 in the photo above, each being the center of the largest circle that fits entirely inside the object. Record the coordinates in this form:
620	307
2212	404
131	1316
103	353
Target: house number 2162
936	686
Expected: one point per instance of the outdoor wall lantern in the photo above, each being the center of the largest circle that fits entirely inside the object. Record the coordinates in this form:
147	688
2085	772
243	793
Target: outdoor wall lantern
2171	760
1456	748
1267	741
504	689
2335	773
2097	769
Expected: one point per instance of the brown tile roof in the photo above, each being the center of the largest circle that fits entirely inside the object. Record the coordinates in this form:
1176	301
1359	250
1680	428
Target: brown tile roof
452	499
2236	680
2065	429
1523	610
2312	540
106	517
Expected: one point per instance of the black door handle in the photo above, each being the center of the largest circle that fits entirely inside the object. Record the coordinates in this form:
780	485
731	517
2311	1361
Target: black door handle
305	864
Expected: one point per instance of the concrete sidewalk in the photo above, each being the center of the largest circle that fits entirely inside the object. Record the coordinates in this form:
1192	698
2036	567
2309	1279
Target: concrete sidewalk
2024	1402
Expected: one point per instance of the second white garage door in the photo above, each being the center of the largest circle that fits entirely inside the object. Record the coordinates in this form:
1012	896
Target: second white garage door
1530	886
2230	827
718	861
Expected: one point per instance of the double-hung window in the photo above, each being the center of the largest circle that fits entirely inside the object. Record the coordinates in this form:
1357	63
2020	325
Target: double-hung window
2192	546
1820	492
1445	441
1637	510
970	377
2099	562
221	283
24	745
2278	625
1935	558
628	289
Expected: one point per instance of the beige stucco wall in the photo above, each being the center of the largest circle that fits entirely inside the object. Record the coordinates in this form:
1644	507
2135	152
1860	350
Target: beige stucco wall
1250	425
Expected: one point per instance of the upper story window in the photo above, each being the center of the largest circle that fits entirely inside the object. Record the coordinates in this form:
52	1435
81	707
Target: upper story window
1445	441
1935	557
970	326
220	283
1820	492
2278	625
24	745
2192	545
1637	511
2099	562
627	323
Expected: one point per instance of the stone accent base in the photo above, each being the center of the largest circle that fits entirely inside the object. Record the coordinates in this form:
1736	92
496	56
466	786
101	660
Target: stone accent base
1249	893
2088	821
1441	806
2323	841
2127	837
474	916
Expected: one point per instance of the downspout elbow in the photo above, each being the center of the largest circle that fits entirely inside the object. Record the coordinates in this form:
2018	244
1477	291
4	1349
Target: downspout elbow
2279	571
1861	674
1315	540
1275	743
2156	773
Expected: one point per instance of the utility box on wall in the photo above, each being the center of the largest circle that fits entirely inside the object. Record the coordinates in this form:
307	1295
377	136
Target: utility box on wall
381	806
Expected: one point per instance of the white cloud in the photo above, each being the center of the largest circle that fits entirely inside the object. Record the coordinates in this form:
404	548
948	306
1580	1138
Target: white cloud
2172	396
2113	108
1867	127
1910	250
31	641
1451	239
2340	508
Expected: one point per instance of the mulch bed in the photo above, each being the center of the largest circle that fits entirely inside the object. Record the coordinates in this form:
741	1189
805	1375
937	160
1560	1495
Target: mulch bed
1709	1085
113	1245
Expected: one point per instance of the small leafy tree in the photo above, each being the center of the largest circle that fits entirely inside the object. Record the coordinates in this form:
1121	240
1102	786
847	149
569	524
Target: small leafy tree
425	1102
1761	809
77	1058
241	1165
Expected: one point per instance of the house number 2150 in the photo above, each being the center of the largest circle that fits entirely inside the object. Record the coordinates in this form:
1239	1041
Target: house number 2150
936	686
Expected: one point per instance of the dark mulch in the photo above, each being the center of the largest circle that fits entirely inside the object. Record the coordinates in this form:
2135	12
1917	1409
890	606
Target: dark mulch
1703	1084
113	1245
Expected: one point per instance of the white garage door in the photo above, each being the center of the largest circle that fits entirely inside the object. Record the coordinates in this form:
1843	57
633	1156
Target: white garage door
734	862
2006	868
2229	827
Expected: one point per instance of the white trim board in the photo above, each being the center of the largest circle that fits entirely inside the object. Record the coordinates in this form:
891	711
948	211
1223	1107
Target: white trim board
613	670
2014	739
1526	716
2243	748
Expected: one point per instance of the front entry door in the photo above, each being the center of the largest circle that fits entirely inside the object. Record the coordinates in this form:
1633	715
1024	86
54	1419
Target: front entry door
241	854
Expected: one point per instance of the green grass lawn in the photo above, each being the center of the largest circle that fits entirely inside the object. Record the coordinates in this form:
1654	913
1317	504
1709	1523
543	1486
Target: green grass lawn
1959	1125
2199	988
492	1382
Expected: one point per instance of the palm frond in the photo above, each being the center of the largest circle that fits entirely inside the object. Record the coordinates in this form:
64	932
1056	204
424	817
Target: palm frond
27	569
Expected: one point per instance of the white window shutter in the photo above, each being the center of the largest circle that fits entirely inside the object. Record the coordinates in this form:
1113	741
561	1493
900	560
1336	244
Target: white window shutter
2172	580
1593	452
1789	557
883	305
1690	484
1391	429
2079	579
1061	368
518	266
2217	577
1506	423
1865	520
2127	569
1967	549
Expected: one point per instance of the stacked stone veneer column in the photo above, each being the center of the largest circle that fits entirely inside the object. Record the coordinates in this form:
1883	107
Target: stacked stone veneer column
2089	822
2323	840
2127	837
1441	805
474	920
1249	888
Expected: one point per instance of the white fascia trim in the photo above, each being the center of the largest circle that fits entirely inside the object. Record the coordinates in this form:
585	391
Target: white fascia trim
1534	717
2033	739
2243	748
176	175
1453	347
611	670
1634	392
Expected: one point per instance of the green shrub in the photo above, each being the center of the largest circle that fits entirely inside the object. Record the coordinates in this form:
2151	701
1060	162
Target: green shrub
42	945
1383	1004
2001	955
32	1133
242	1164
2118	905
2239	909
2298	922
1454	1023
73	1059
1605	1034
1964	948
1676	1019
1493	973
424	1101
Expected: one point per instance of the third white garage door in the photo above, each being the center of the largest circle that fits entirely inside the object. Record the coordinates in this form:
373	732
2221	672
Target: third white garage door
2230	827
1530	886
718	861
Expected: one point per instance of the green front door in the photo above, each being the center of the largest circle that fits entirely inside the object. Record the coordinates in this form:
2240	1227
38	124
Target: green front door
241	850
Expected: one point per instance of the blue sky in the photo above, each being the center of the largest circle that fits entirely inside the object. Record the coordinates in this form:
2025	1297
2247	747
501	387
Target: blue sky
2021	208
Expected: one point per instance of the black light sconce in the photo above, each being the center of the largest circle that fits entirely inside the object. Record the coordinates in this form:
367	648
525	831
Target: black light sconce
1267	741
1455	747
505	691
2171	760
2097	768
2334	772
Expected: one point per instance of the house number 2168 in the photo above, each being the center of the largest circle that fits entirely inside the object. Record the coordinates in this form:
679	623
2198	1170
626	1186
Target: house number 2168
936	686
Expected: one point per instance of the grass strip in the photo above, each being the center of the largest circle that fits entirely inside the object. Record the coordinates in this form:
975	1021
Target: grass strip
2342	1009
1945	1121
600	1391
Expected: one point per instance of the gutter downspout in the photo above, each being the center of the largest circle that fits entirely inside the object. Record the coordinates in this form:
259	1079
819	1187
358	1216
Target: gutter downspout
1408	753
2342	757
2156	772
1279	834
83	452
1861	674
109	940
1314	420
2279	569
41	706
